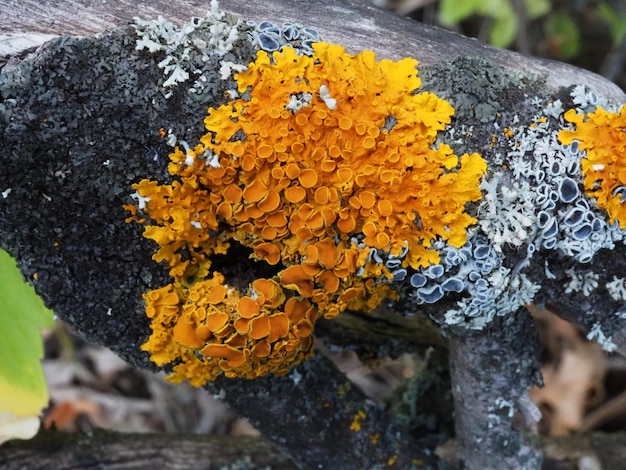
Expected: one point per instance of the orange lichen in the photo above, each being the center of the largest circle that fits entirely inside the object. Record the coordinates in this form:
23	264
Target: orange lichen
237	336
312	188
602	135
355	425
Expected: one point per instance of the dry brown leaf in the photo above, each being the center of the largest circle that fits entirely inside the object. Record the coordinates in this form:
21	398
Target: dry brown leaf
573	377
64	416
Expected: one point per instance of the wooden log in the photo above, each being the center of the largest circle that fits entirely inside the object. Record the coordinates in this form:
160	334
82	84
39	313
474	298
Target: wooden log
355	24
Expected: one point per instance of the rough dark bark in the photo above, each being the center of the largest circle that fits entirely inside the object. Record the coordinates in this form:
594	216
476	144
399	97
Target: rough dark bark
104	138
309	414
80	122
109	450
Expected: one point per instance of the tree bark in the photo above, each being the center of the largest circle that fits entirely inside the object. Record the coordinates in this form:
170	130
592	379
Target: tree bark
355	24
492	374
125	451
79	124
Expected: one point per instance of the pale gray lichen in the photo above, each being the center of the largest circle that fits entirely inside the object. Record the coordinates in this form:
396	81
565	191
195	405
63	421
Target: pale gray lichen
544	192
585	282
533	200
217	44
189	49
617	289
513	227
596	334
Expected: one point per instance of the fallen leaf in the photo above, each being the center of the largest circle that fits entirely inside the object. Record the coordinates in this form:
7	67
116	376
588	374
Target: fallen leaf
573	376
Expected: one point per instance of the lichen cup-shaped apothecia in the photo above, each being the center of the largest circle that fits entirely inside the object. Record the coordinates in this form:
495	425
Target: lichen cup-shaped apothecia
324	167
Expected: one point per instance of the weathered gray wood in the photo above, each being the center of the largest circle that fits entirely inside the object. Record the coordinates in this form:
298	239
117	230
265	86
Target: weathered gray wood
122	451
490	383
356	24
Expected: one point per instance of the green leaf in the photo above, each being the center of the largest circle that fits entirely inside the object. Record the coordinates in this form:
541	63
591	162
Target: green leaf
504	28
563	34
22	314
617	22
537	8
453	11
494	8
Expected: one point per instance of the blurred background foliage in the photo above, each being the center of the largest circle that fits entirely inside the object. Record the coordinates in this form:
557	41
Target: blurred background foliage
587	33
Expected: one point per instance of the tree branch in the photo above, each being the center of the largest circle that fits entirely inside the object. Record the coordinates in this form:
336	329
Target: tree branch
105	449
492	374
355	24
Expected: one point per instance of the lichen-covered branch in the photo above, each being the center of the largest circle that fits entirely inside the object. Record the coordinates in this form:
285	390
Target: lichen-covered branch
277	178
492	373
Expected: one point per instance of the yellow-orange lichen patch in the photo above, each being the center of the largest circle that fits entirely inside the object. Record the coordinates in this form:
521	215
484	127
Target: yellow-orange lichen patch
247	307
314	191
237	335
602	135
268	252
296	278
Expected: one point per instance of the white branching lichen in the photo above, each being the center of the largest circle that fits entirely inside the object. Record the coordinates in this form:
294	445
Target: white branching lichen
585	282
192	44
596	334
617	288
227	69
141	200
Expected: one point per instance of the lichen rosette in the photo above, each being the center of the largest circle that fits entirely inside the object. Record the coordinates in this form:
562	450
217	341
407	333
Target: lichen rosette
321	162
602	135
